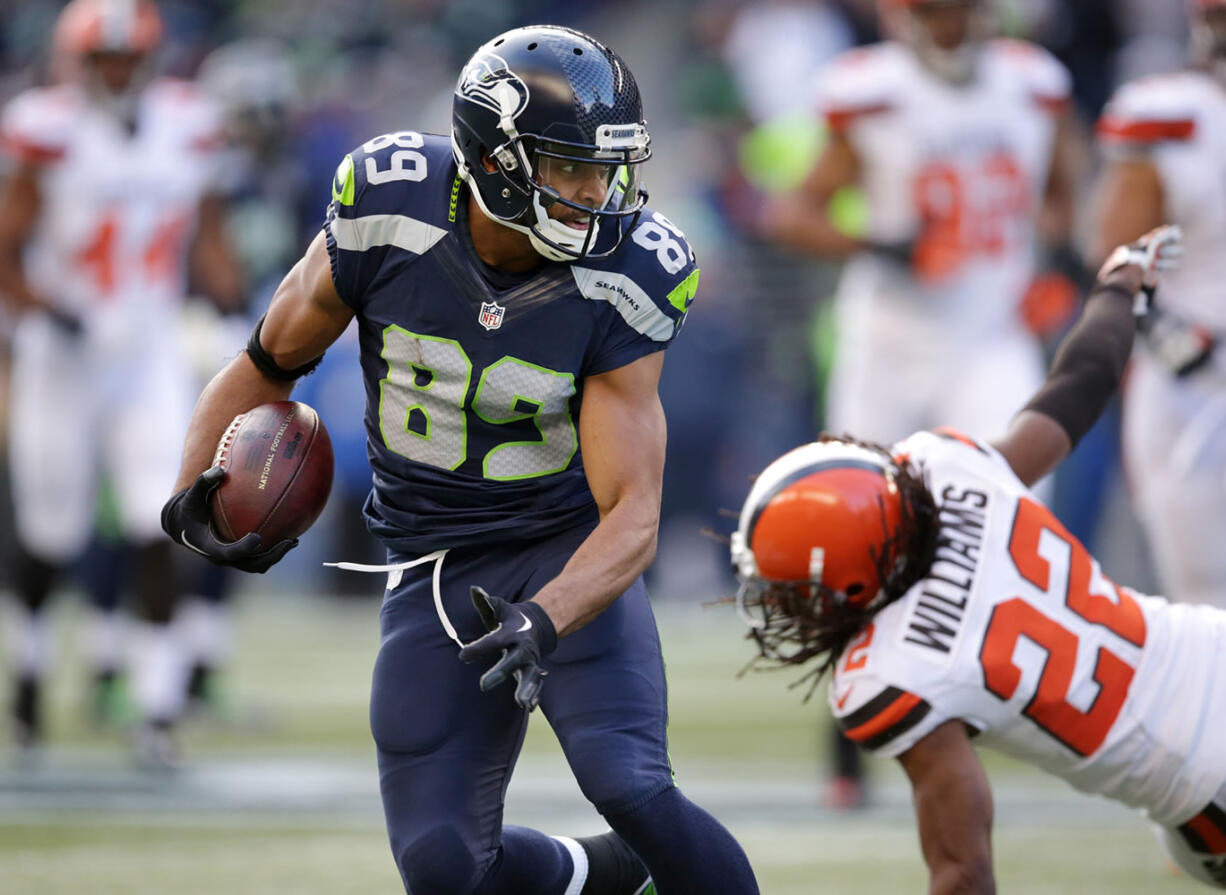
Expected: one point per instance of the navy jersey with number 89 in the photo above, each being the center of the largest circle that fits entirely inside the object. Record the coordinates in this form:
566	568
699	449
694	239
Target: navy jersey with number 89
474	379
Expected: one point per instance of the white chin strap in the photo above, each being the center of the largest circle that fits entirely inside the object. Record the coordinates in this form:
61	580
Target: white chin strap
558	233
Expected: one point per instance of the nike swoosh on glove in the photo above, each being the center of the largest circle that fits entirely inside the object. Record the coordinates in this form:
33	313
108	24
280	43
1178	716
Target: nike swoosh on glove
187	519
522	633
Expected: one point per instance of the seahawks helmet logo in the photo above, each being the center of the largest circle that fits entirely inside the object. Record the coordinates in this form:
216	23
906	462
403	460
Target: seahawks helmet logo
488	82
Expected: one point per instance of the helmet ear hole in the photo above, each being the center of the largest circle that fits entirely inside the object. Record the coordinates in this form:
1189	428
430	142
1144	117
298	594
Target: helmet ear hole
854	590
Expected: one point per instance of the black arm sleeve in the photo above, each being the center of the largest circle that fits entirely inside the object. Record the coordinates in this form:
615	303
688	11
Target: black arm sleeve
1089	363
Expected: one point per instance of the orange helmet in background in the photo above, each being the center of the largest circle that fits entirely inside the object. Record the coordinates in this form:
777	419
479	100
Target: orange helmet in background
108	26
89	30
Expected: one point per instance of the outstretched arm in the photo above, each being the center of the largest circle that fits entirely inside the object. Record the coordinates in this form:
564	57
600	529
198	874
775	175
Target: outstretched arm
1090	361
953	806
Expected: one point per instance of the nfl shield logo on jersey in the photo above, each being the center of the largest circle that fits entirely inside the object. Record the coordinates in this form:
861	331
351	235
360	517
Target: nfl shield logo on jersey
491	314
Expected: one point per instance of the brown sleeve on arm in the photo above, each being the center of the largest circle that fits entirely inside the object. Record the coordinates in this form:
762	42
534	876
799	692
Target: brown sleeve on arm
1084	375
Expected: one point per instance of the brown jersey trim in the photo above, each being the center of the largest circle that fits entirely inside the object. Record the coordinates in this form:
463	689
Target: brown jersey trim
885	717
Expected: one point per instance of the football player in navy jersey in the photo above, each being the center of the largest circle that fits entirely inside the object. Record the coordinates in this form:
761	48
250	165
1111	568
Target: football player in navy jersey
514	294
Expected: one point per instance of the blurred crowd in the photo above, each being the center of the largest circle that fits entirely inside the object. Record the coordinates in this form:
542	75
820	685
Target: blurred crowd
728	98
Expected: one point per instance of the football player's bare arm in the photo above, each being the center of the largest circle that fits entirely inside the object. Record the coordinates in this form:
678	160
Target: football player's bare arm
305	317
213	262
1130	202
622	433
801	219
953	807
1067	162
21	200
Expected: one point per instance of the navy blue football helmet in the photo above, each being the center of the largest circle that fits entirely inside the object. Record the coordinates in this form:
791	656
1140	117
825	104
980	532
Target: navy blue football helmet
546	104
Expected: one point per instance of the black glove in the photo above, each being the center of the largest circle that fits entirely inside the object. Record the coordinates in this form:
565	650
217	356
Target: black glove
188	521
523	633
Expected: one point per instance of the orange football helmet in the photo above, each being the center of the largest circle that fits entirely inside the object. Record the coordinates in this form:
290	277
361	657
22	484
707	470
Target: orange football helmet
87	29
815	516
831	532
108	26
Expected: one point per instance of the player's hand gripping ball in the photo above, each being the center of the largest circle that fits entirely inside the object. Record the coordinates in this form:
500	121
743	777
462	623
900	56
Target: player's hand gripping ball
269	482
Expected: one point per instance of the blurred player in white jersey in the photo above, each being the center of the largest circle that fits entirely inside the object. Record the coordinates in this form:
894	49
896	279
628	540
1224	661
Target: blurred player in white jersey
954	608
1165	140
963	148
107	198
960	144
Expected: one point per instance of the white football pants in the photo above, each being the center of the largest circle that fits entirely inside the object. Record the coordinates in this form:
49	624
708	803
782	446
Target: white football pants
1174	440
77	415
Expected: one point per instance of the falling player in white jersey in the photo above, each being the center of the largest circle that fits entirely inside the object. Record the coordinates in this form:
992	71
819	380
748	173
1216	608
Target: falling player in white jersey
953	608
963	148
1165	140
107	197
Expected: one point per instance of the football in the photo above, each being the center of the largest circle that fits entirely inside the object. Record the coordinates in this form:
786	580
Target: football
278	463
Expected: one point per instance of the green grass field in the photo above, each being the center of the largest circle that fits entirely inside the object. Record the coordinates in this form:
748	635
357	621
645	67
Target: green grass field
280	797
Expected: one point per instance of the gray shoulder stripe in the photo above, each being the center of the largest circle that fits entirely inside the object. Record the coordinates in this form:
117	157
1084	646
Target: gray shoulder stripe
635	305
360	234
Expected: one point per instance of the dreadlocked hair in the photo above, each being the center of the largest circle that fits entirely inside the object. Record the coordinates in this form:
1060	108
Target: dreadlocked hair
801	621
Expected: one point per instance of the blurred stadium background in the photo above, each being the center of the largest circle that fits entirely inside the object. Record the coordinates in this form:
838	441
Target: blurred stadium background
279	790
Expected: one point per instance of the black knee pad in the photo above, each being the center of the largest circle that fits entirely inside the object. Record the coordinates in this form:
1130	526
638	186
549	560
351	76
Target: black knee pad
438	863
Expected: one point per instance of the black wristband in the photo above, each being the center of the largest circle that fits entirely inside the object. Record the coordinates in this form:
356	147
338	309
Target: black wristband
266	364
547	638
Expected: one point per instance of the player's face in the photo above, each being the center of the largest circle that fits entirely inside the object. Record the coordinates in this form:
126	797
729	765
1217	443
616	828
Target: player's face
115	72
583	183
948	24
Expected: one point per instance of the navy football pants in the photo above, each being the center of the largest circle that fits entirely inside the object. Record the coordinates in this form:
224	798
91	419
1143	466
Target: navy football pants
446	750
